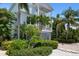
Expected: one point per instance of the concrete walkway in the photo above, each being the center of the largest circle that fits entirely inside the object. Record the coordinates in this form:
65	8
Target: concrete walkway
58	52
73	47
66	50
2	53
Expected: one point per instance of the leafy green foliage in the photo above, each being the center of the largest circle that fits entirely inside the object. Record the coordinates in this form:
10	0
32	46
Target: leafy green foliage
39	51
40	42
31	30
69	12
53	44
35	37
14	44
22	31
19	44
60	32
70	36
1	41
6	44
6	20
57	27
44	20
32	19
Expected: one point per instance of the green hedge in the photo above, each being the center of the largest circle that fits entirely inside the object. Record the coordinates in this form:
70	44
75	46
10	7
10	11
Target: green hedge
39	51
14	44
0	41
39	42
19	44
53	44
67	40
71	36
6	44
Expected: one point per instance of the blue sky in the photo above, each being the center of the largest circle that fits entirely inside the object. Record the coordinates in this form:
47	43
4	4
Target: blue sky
5	5
58	7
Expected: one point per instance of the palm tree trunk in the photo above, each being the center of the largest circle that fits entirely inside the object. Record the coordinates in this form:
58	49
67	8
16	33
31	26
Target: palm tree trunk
68	27
56	32
18	22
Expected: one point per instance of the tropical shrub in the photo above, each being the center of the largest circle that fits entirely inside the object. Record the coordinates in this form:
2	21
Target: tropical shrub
7	18
36	42
6	44
44	20
41	42
57	27
31	30
35	37
53	44
19	44
38	51
69	37
32	19
14	44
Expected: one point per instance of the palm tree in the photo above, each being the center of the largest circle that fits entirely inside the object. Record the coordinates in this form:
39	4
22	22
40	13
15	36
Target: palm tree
69	15
21	6
59	25
32	19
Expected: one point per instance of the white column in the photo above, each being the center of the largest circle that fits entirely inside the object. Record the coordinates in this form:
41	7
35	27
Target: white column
30	8
38	9
51	25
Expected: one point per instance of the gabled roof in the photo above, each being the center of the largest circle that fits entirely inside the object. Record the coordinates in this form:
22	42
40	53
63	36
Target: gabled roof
43	6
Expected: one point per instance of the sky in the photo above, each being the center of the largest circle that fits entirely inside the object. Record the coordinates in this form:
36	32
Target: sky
5	5
58	7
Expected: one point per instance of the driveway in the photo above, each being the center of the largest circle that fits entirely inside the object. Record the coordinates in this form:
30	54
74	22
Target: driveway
66	50
58	52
